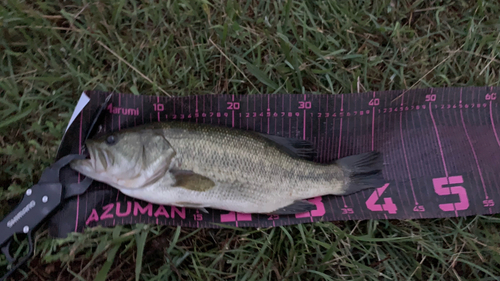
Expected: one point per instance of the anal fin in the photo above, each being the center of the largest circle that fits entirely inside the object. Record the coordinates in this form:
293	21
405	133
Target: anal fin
297	207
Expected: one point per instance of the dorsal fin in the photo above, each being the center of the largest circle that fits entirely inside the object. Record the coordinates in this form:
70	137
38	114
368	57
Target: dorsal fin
294	147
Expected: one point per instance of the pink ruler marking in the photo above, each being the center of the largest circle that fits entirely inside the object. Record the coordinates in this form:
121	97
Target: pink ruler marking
373	125
332	154
439	143
493	124
119	115
268	110
119	105
416	143
79	152
405	154
427	142
438	139
345	153
232	111
472	149
304	124
355	137
340	144
158	102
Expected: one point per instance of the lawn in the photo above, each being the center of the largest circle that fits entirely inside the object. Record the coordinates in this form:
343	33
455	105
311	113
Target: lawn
51	51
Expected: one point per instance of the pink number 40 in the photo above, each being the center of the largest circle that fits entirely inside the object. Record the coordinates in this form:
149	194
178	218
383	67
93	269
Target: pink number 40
463	202
388	205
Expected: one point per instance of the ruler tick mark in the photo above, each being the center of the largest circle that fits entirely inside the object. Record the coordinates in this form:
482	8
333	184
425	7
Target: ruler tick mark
493	125
438	140
405	154
472	148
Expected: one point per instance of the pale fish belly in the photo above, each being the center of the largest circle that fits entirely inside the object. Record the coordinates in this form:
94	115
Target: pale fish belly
244	198
249	178
219	197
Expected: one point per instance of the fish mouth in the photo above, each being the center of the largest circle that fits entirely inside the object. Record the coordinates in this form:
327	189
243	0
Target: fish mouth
83	166
97	160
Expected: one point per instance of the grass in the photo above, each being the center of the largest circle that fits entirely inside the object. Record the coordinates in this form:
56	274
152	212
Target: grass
53	50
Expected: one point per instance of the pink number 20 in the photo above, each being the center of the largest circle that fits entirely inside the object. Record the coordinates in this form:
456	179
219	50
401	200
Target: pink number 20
235	217
463	204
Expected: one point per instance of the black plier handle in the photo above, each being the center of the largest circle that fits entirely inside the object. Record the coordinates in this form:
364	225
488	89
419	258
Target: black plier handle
38	203
41	200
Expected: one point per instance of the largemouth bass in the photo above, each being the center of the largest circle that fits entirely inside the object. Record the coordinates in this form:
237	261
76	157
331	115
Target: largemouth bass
202	166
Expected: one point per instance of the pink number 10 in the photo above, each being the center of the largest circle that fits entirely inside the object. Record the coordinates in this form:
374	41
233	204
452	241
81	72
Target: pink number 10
463	204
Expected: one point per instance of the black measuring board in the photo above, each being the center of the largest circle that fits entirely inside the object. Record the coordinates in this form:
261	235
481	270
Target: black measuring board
441	152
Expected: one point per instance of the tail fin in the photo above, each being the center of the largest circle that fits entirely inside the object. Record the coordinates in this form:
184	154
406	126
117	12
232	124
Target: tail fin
362	171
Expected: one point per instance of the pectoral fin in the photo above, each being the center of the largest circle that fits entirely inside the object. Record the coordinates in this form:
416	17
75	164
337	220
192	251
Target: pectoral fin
297	207
192	181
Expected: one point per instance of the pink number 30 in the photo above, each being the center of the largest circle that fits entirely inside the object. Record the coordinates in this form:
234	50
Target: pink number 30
320	209
463	203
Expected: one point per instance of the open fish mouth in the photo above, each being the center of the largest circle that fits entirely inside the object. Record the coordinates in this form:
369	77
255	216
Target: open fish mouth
90	161
85	151
97	159
84	166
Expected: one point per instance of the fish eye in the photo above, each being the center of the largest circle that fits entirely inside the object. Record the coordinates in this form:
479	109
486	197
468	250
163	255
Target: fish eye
111	140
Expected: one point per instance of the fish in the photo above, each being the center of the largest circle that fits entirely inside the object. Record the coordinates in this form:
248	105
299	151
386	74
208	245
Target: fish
199	166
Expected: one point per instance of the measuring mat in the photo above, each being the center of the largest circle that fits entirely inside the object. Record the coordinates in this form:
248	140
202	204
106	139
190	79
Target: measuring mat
441	151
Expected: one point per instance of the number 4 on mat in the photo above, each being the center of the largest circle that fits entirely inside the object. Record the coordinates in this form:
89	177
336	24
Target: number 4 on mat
388	205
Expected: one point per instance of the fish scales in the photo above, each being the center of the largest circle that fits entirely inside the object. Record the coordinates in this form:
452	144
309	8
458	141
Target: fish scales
248	167
197	165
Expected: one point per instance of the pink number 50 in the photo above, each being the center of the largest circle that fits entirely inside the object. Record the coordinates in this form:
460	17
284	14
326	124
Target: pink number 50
463	204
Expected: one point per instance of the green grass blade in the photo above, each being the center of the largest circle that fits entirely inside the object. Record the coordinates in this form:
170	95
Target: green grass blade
103	273
141	242
261	76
